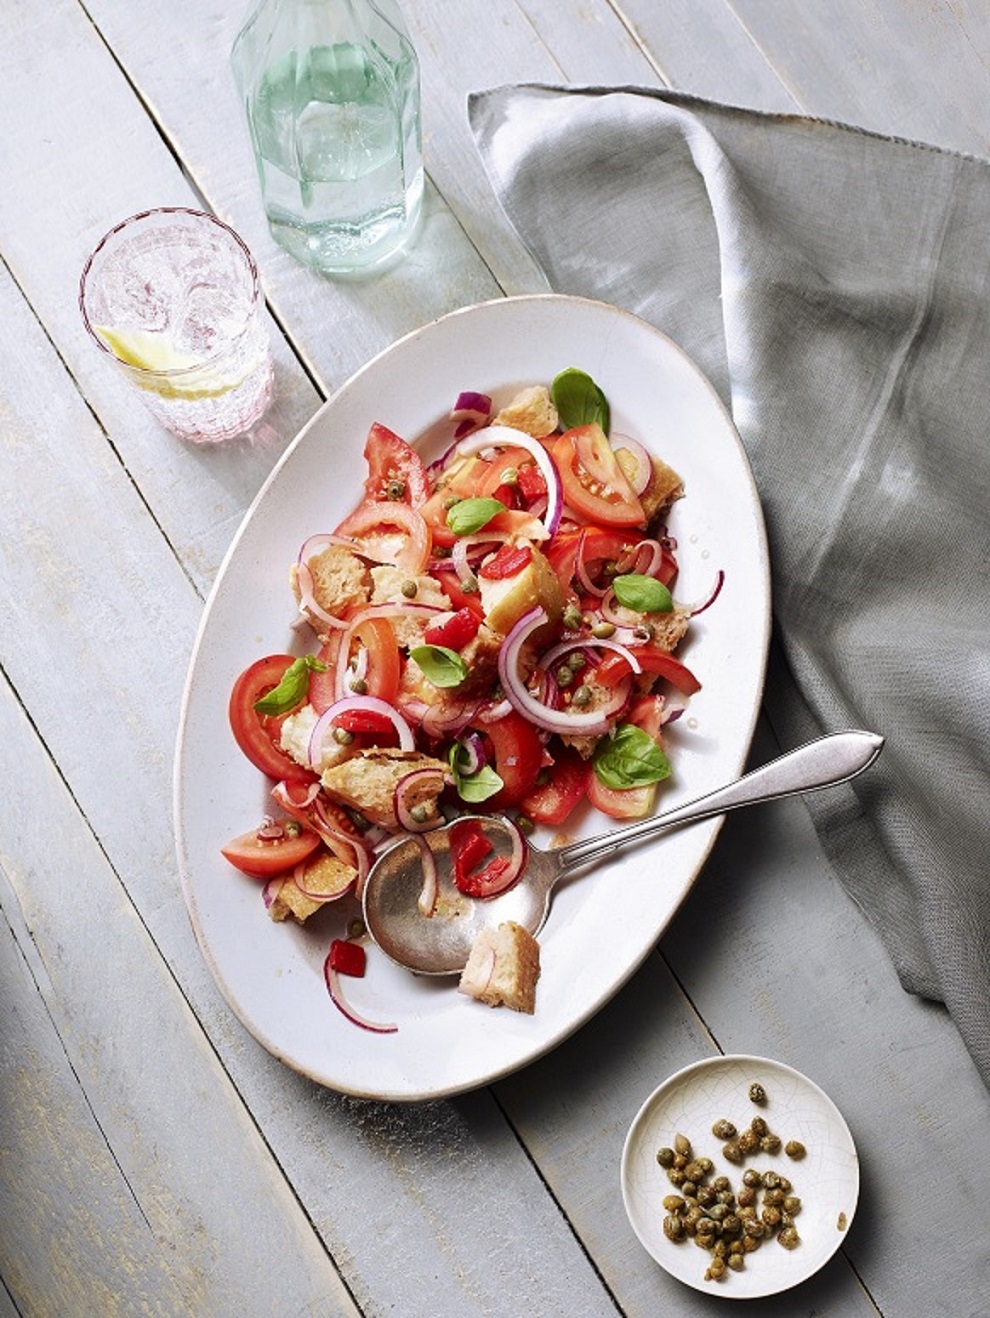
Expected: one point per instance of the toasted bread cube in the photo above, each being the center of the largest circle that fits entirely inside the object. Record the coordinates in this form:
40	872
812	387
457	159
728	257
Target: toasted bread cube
388	588
368	781
532	411
341	581
324	875
506	600
503	968
665	488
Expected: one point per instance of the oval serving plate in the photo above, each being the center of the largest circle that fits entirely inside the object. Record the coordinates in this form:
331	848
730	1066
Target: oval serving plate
271	974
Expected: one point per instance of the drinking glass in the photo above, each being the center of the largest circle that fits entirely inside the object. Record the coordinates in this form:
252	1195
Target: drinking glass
172	295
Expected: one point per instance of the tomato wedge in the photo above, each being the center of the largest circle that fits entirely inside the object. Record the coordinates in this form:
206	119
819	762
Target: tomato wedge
263	857
258	734
614	667
389	532
395	470
509	560
448	581
594	484
518	753
470	848
383	672
630	802
454	632
551	802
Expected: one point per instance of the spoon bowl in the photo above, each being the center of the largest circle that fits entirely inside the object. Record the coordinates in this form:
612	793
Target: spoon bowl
435	938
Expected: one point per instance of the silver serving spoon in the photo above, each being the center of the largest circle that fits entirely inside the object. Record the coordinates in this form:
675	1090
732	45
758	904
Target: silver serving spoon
439	943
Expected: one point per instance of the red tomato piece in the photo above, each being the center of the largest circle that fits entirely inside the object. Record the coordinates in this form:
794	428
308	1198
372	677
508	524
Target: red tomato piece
509	560
258	734
393	463
365	721
630	802
531	483
614	667
470	848
518	755
391	531
448	581
384	669
263	857
454	632
551	802
348	957
594	484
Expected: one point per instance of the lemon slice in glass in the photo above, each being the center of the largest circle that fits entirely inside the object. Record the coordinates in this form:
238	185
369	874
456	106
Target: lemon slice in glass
166	370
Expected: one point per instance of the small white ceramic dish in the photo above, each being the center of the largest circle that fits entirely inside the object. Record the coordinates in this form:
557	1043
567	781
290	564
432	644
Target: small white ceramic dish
272	974
826	1179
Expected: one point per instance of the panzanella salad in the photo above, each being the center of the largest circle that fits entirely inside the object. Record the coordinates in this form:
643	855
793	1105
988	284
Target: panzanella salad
495	630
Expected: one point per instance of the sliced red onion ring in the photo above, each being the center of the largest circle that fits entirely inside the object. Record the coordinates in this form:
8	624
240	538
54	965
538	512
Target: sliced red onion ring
641	471
430	779
426	903
590	723
706	601
340	1001
507	437
459	555
470	411
307	600
321	897
493	713
371	704
566	647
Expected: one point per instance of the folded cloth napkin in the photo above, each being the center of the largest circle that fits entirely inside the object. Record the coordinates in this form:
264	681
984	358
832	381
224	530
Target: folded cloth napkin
835	287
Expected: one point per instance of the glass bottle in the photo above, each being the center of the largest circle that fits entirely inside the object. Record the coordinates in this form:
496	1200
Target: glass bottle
331	91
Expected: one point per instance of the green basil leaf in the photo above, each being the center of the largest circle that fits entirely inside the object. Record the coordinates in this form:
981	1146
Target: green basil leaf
470	515
579	400
629	758
442	666
644	594
474	787
292	689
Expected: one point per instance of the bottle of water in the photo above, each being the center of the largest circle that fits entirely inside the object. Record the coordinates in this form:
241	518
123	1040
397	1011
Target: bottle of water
331	91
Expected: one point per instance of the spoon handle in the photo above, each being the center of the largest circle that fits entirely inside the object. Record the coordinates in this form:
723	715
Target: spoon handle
825	762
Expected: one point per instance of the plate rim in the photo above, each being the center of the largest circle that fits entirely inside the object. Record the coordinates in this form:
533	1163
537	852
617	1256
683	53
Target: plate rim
712	828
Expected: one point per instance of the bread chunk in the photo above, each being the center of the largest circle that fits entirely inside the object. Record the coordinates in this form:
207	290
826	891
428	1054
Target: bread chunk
503	968
532	411
368	781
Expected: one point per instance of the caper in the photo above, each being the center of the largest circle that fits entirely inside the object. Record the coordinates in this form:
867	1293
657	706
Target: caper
752	1178
470	586
643	633
602	631
724	1130
795	1149
732	1152
665	1157
785	1185
773	1198
736	1261
451	501
675	1176
564	676
680	1159
706	1165
749	1243
359	686
673	1227
673	1203
770	1143
789	1238
748	1141
572	617
524	825
705	1195
421	812
582	695
715	1269
688	1188
717	1211
292	827
410	589
757	1094
731	1224
756	1228
355	928
682	1144
395	489
725	1197
792	1204
759	1127
746	1197
769	1180
721	1183
694	1171
771	1217
342	736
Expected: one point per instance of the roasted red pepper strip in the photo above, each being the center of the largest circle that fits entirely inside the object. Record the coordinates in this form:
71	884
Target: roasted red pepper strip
347	958
509	560
454	632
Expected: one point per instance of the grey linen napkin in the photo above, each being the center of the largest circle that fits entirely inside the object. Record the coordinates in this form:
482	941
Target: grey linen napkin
835	287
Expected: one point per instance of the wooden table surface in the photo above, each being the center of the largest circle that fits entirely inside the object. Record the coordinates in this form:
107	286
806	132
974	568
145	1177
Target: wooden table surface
154	1159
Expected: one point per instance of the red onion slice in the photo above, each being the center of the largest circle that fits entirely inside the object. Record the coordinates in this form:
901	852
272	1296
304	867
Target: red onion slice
565	647
426	903
430	779
640	469
507	437
590	723
371	704
706	601
340	1001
